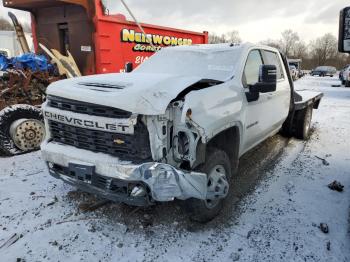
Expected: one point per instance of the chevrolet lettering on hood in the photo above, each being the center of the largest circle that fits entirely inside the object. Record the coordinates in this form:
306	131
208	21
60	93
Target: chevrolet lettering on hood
121	126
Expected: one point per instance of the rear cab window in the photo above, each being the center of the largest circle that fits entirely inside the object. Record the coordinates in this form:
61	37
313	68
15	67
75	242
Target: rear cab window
272	58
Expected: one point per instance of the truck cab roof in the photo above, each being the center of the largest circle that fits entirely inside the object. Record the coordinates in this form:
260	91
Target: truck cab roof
207	48
210	61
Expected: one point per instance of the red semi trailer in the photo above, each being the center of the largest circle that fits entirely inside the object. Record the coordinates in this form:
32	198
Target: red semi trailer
99	41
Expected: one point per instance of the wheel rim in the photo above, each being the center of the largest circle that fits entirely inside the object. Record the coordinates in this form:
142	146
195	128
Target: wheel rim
217	186
27	134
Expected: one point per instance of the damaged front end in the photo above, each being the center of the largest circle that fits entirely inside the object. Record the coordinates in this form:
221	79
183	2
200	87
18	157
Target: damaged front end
127	157
139	161
138	185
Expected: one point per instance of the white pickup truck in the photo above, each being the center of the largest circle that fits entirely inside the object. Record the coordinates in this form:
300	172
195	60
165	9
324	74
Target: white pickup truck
175	127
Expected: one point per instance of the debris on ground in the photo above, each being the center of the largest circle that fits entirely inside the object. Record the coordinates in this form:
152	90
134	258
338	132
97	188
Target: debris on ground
328	245
324	228
234	257
147	220
86	207
324	161
336	186
54	201
13	239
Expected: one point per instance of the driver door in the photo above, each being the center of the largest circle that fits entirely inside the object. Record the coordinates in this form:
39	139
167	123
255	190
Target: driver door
258	113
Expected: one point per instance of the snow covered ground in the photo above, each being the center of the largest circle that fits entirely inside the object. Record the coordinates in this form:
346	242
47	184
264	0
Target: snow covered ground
274	212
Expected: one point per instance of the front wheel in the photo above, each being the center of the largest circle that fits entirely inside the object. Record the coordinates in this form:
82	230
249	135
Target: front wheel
21	129
218	169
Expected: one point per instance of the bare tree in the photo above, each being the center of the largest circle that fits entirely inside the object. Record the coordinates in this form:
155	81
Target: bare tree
288	41
322	51
230	37
272	43
5	25
215	39
233	37
324	48
300	50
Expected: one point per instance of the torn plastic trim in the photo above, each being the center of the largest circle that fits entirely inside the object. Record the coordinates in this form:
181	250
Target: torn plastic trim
201	84
164	181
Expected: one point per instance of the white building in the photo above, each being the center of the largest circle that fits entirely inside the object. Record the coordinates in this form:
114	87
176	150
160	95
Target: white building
9	44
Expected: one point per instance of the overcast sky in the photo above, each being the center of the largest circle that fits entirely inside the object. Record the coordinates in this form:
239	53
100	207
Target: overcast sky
255	20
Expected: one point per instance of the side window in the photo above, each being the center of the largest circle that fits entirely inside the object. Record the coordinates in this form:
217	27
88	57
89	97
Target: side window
252	67
272	58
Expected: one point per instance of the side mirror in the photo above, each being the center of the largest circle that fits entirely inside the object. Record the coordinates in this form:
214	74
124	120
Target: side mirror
267	80
128	67
344	31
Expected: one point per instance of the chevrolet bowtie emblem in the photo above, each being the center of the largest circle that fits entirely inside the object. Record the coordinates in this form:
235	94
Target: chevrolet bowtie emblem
119	141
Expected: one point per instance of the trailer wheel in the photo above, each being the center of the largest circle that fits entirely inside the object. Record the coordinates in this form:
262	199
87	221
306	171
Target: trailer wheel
303	123
218	169
21	129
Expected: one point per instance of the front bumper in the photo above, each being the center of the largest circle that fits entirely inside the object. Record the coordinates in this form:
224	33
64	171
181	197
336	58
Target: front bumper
162	182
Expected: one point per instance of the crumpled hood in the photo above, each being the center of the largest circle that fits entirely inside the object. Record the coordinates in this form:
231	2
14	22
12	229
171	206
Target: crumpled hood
139	93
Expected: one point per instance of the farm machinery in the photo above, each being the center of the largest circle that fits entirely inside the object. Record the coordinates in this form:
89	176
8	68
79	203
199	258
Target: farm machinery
71	38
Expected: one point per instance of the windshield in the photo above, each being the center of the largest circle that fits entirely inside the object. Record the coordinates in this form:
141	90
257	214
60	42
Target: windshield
217	65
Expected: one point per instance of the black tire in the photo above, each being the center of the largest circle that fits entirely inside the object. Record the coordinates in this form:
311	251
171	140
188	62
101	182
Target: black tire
303	123
7	117
198	209
347	83
343	82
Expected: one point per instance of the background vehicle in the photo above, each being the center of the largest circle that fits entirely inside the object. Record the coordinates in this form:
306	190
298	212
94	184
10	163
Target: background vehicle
175	131
297	62
98	40
5	52
324	71
294	72
342	74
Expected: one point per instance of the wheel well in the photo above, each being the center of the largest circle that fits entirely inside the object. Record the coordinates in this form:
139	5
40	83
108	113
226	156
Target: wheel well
316	104
228	141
